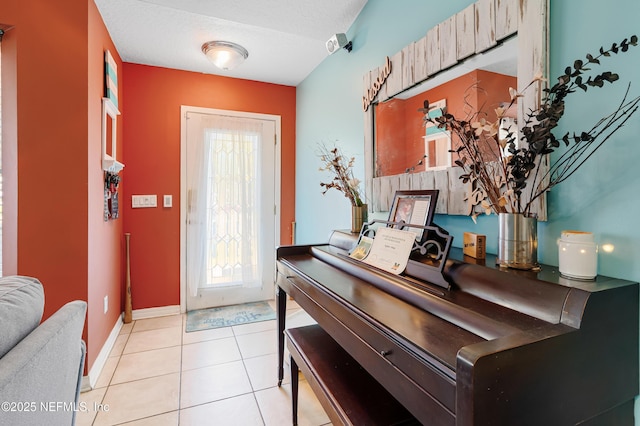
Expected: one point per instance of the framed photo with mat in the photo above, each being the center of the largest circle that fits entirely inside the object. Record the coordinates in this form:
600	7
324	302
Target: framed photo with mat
413	207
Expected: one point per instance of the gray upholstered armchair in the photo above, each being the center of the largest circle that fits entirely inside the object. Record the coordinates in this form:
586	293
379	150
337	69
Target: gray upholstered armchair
41	365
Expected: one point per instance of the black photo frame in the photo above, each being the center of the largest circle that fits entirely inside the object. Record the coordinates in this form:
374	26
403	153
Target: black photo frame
413	207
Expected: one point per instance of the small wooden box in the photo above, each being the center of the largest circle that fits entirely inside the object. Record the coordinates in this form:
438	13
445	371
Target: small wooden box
475	245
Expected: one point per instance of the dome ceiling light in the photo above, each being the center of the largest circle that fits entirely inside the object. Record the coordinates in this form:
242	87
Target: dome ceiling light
225	54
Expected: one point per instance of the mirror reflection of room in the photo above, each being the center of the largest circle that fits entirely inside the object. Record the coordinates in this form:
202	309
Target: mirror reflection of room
403	144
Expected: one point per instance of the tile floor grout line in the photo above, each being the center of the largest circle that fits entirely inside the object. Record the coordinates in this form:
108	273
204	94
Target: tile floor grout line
264	422
234	332
95	417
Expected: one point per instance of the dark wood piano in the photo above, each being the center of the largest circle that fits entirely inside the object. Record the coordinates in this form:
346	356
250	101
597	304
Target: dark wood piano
497	347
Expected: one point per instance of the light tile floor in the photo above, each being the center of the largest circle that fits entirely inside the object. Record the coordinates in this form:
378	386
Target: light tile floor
157	374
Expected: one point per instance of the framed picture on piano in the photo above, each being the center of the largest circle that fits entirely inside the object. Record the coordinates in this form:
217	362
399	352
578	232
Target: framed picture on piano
413	207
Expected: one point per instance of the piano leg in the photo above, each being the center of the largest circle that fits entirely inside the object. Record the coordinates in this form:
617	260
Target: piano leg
281	305
294	390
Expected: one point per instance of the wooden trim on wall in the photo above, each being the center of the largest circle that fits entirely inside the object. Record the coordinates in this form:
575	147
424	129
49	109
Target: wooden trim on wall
477	28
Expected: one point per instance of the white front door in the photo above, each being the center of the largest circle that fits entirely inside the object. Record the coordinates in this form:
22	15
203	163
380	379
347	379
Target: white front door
230	162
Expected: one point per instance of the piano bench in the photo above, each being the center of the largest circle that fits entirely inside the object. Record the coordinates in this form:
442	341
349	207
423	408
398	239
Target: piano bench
349	395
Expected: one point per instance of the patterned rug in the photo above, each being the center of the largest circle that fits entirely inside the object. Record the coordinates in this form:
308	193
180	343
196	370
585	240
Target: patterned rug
226	316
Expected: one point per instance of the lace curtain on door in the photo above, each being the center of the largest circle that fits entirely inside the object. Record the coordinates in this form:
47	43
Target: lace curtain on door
223	201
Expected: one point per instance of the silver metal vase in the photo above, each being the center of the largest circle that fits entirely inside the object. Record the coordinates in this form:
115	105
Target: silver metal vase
518	241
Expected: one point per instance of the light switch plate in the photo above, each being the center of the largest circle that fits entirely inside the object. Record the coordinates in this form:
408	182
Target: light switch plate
167	201
144	201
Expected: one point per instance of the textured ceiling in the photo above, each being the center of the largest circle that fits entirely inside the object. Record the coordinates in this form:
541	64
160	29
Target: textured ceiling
285	38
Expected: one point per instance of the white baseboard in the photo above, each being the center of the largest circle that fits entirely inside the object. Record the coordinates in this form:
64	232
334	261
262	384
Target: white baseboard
89	382
161	311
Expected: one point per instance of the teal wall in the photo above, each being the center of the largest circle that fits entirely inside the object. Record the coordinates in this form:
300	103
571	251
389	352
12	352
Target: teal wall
603	197
329	103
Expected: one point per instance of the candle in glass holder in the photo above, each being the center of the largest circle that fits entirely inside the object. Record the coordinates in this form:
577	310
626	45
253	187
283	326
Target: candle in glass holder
578	255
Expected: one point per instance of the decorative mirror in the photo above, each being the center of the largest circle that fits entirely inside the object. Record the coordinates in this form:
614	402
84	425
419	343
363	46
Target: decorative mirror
109	121
480	43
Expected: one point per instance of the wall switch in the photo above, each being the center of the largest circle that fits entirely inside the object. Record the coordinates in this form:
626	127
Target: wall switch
167	201
106	304
144	201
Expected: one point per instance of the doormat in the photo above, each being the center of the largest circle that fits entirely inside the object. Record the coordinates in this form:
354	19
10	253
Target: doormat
226	316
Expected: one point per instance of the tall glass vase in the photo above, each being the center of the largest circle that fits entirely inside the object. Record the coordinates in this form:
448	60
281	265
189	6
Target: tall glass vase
359	215
518	241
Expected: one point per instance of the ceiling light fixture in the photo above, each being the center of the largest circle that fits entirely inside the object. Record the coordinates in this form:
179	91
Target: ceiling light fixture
225	54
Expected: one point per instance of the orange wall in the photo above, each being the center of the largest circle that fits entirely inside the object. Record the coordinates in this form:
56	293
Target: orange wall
53	227
391	138
51	142
396	150
105	240
51	106
151	124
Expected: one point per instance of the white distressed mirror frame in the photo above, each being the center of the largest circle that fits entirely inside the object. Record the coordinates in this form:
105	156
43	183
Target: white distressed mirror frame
110	112
479	27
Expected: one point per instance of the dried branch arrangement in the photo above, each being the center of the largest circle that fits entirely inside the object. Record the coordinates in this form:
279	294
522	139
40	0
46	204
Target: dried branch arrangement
501	169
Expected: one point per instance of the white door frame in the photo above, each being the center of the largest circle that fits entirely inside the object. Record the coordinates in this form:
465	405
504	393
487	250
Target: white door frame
183	181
